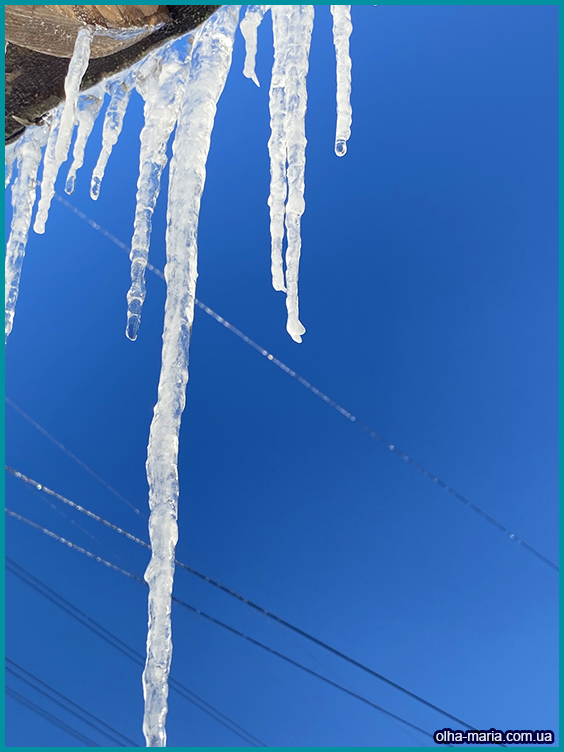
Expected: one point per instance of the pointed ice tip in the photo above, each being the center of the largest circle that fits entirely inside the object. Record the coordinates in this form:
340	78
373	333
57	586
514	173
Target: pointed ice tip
95	186
276	269
69	185
340	148
132	328
255	79
39	226
295	329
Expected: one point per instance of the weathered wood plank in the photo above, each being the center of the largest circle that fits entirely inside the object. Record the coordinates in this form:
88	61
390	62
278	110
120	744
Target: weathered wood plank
52	29
35	81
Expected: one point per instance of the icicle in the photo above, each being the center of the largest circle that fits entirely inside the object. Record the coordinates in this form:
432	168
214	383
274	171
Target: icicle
277	144
113	123
210	64
292	26
163	91
77	69
342	28
9	156
301	27
88	109
28	152
249	27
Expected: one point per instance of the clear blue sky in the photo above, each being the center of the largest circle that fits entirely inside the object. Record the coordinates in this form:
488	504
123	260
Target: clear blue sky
428	288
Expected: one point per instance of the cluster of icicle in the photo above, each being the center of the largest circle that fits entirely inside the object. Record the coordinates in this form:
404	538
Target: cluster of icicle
180	84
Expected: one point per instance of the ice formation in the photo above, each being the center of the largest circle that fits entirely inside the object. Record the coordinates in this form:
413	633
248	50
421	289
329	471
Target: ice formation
292	25
210	63
120	91
342	28
87	111
28	154
161	82
180	88
55	157
249	28
9	162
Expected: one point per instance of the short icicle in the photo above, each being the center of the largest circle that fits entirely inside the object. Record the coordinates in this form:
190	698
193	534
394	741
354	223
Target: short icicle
113	122
211	60
342	28
28	155
53	162
87	111
163	91
249	28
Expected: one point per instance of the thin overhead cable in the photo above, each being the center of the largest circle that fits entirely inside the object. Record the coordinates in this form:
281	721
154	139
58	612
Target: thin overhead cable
73	457
70	544
48	717
68	502
318	393
223	588
68	705
231	629
310	671
74	612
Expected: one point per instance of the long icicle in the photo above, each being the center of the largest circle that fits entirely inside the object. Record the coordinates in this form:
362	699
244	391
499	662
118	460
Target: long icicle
88	109
298	41
249	28
277	143
163	91
210	64
52	163
28	154
342	28
113	122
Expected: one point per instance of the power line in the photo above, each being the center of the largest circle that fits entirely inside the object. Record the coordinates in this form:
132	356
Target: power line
48	717
363	699
73	457
71	610
232	629
70	544
55	508
318	393
40	487
68	705
223	588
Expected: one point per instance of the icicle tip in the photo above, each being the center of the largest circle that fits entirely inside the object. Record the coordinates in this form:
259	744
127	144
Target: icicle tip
340	147
95	186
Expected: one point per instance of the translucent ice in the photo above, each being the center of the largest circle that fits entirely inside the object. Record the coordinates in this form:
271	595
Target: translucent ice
210	64
342	28
28	155
54	158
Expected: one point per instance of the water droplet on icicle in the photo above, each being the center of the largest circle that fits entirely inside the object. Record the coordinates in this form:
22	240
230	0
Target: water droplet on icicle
340	147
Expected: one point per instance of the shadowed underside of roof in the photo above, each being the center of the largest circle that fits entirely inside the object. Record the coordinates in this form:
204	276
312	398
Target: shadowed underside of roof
40	41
